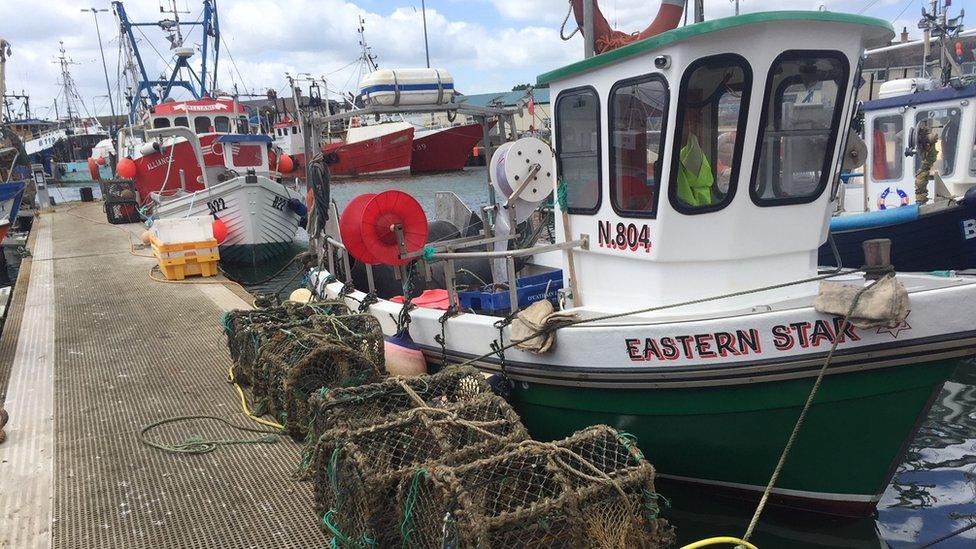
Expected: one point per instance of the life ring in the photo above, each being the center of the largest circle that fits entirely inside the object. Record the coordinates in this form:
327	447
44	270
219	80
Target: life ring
605	38
883	198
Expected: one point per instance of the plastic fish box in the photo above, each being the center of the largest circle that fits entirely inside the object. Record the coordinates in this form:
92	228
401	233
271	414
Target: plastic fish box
180	268
179	230
180	260
529	289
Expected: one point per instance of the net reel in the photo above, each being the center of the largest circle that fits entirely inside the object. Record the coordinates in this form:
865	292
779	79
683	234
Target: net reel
377	228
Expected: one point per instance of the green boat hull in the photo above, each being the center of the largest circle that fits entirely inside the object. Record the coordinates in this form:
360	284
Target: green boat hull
732	435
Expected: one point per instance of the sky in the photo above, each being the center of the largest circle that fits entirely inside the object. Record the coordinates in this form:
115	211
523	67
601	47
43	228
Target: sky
487	45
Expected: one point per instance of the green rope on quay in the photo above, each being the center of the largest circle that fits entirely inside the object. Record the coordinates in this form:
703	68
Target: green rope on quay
198	445
562	195
338	537
406	527
428	253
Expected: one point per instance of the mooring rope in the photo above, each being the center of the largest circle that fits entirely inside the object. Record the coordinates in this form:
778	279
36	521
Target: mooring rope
199	445
806	408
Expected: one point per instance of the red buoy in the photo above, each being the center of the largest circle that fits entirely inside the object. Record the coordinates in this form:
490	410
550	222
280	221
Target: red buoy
93	170
126	168
381	214
350	228
219	230
285	164
100	160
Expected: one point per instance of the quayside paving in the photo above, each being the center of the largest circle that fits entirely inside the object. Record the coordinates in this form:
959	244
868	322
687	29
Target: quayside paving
92	352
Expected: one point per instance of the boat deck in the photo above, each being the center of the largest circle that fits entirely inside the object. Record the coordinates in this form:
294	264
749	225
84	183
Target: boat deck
92	352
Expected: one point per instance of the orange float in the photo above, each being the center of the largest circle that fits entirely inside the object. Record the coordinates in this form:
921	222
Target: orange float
606	38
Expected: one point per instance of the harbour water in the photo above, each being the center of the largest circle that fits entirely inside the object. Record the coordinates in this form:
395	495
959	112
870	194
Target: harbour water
933	492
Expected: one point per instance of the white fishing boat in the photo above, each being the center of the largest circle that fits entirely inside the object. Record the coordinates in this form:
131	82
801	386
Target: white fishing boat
261	215
694	190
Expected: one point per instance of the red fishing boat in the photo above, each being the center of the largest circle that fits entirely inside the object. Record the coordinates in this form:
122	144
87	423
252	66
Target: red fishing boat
444	149
373	150
169	165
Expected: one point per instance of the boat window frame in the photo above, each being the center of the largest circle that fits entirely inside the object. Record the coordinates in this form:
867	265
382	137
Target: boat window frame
637	80
742	127
831	149
599	145
899	148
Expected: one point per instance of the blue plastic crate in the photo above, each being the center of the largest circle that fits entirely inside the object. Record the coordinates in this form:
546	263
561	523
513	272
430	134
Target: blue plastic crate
529	290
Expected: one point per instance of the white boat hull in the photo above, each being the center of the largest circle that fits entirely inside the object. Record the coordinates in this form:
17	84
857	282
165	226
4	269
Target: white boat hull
260	223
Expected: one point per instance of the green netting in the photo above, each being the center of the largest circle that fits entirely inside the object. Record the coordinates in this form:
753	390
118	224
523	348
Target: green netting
361	406
592	489
356	472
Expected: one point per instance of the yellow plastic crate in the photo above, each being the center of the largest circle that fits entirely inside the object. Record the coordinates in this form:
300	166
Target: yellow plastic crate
178	269
178	261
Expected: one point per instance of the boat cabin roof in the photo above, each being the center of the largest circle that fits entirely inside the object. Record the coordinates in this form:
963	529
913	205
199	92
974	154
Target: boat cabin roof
244	138
920	98
882	34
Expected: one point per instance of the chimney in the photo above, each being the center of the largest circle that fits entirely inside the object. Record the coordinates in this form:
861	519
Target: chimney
904	35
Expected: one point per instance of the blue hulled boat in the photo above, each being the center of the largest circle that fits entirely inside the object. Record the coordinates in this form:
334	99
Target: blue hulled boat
940	234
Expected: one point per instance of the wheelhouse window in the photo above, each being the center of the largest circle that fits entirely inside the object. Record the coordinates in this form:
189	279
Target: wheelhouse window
222	124
712	108
638	109
943	123
161	123
801	113
246	155
201	124
578	148
888	148
181	121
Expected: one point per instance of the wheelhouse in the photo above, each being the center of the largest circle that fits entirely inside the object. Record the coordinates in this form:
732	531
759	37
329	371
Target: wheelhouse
703	160
891	125
244	153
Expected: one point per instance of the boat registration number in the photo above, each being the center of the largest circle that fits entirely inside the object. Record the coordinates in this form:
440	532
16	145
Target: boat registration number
624	236
216	205
279	203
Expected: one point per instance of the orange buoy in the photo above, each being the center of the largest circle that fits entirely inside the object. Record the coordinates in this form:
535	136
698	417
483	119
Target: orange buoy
219	229
126	168
93	170
606	38
285	164
100	160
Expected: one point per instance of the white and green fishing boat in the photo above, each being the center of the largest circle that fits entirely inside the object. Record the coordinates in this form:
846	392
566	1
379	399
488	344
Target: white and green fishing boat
698	168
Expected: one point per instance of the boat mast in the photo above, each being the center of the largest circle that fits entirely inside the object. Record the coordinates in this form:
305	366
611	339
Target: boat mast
423	12
108	87
5	52
937	25
66	82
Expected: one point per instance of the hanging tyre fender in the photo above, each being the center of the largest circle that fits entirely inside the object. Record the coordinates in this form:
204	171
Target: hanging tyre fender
605	38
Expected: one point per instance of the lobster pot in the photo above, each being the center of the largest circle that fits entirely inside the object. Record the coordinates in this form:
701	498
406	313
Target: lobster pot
326	367
396	87
356	473
246	330
332	351
362	406
593	489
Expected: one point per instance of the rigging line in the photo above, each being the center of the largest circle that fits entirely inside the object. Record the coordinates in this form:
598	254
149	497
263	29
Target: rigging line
903	10
229	54
153	46
865	8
